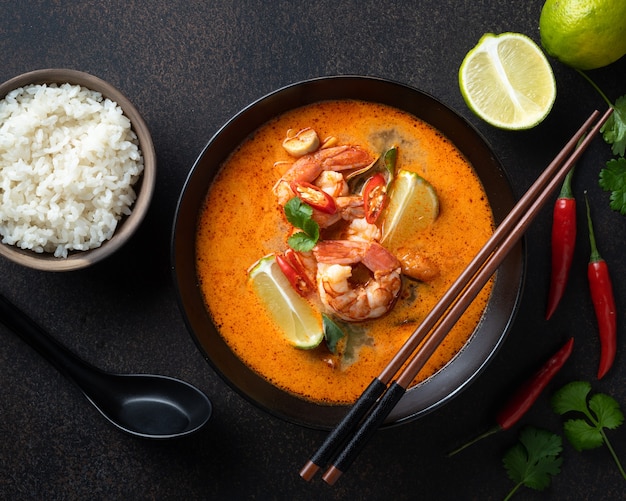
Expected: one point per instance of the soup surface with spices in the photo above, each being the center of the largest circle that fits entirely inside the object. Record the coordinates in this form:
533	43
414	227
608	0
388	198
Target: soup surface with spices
389	285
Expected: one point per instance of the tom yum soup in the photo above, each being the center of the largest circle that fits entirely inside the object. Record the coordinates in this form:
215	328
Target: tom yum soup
328	235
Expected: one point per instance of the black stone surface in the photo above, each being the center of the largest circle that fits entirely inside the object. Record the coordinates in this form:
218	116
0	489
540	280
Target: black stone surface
189	66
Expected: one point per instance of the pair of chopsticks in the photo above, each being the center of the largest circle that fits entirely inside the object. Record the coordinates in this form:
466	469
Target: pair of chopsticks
380	397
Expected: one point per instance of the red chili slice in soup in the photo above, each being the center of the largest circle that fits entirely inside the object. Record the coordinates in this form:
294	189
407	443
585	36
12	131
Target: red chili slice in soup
314	196
374	197
294	270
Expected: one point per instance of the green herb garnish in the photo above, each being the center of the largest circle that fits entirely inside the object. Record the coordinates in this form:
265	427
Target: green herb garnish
614	130
600	411
390	159
300	215
332	333
613	176
534	460
613	179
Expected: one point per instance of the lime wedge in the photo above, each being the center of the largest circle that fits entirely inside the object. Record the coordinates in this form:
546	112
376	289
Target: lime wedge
507	81
413	206
298	321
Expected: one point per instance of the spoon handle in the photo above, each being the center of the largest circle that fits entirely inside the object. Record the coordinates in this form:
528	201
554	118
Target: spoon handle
58	355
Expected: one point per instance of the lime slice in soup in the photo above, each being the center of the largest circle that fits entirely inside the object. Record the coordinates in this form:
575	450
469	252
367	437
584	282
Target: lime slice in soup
298	321
413	206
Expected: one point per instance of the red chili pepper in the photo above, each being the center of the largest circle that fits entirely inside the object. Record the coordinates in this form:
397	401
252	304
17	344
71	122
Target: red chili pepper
314	196
294	270
525	396
563	242
603	301
374	197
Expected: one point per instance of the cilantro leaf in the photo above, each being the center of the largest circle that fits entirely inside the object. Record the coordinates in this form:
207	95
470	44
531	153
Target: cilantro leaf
301	242
614	130
572	397
300	215
599	412
613	179
312	229
534	459
297	212
582	435
614	134
607	411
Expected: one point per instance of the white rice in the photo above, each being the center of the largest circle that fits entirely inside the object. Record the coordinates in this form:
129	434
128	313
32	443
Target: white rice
68	162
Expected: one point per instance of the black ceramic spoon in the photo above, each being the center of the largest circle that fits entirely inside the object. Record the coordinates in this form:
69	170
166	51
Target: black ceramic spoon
143	405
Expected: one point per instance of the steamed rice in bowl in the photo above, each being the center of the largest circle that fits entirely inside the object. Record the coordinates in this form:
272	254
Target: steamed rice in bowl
68	162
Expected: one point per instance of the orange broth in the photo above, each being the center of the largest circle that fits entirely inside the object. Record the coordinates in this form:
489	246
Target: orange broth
241	222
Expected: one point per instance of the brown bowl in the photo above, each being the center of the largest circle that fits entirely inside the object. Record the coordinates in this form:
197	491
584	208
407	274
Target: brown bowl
144	186
484	342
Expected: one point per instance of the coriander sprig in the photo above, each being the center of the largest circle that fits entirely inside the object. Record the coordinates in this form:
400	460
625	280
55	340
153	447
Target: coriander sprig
600	411
614	130
534	459
613	176
299	214
613	179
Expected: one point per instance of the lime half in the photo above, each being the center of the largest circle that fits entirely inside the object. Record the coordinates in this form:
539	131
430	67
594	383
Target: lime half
298	321
507	81
413	206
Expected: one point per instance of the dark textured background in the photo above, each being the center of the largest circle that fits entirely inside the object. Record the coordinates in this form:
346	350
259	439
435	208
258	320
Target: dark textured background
189	66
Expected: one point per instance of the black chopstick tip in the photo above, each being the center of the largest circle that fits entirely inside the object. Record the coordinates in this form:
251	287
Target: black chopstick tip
309	470
332	475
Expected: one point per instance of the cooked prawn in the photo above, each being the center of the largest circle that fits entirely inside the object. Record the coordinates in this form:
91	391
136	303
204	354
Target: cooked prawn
359	229
333	183
338	291
308	167
348	208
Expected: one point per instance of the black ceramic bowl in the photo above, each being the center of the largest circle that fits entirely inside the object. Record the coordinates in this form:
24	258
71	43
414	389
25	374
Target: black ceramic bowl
484	342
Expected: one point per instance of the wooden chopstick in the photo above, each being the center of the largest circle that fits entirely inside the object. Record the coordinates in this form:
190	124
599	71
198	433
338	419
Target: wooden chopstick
444	315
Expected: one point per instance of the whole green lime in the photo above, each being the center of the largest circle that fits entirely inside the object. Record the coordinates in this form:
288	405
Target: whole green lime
584	34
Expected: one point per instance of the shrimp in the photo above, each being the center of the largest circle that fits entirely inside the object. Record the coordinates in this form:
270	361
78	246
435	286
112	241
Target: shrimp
333	183
308	167
348	208
355	302
360	230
